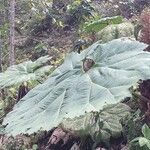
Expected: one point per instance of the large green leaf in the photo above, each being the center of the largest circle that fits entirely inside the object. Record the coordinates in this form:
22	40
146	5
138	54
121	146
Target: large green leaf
70	92
24	71
101	23
146	131
101	126
144	141
116	31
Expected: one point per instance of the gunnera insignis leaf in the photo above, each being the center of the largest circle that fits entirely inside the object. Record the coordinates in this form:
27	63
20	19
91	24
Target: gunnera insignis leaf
115	31
70	91
25	71
102	125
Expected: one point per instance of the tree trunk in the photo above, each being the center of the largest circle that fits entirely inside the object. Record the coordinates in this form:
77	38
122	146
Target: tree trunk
2	92
0	55
12	33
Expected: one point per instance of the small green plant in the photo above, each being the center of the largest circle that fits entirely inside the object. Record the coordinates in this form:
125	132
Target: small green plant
144	141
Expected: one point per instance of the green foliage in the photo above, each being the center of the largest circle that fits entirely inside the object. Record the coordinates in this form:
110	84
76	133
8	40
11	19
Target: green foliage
3	30
144	141
79	12
133	124
20	142
41	46
146	131
24	72
116	31
70	92
100	125
98	25
75	4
